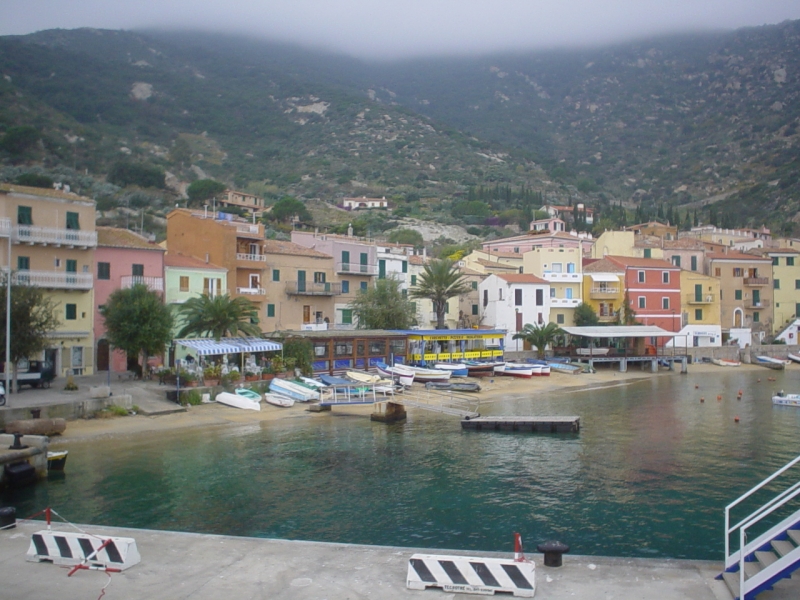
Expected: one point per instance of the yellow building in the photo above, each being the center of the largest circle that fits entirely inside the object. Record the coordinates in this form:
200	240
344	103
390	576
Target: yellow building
700	299
785	286
498	263
627	243
53	240
604	288
562	269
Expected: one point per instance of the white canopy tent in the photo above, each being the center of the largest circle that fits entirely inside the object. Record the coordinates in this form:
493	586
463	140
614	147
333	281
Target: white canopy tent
209	346
619	331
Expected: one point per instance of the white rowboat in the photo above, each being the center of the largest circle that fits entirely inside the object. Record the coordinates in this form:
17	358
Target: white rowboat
237	401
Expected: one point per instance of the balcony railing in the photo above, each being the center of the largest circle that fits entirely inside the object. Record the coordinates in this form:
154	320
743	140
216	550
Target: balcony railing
248	231
550	276
5	227
154	284
749	303
251	257
251	291
564	302
356	268
53	236
54	279
756	281
703	299
603	293
295	288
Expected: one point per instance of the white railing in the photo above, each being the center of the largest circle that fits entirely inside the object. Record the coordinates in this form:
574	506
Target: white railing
53	279
606	290
356	268
248	230
154	284
5	227
251	257
32	234
564	302
745	548
250	291
551	276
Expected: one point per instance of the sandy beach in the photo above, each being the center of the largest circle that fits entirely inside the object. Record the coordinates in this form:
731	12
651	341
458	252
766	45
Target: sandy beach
494	388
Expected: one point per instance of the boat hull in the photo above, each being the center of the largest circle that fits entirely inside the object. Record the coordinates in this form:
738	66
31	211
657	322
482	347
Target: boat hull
405	378
508	371
279	400
56	461
293	390
237	401
793	357
787	400
721	362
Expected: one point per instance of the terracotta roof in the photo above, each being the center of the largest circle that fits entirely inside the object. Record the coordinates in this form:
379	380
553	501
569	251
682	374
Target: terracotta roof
124	238
189	262
468	271
416	259
522	278
44	192
738	256
648	224
281	247
494	263
602	266
644	263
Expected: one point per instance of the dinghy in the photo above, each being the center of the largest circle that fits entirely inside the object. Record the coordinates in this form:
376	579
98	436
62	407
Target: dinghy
279	400
422	374
793	357
516	370
771	363
399	373
293	390
237	401
457	369
724	362
481	369
455	386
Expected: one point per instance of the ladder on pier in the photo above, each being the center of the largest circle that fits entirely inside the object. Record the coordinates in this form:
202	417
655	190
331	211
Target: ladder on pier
773	555
442	401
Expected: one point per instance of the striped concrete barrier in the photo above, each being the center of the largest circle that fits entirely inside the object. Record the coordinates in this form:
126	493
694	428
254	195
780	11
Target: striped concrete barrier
471	575
83	550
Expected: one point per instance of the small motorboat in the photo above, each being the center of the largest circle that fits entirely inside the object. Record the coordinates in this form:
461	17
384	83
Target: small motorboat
793	357
57	460
516	370
457	369
724	362
238	401
771	363
423	374
455	386
279	400
294	390
399	373
563	367
481	369
785	399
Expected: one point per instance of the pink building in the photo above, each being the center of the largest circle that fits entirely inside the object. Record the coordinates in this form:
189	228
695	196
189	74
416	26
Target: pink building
520	244
122	259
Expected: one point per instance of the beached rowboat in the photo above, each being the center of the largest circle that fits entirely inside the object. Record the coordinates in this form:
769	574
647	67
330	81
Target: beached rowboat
237	401
399	373
723	362
279	400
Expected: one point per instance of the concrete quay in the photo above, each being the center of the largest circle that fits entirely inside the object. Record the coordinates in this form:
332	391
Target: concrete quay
199	567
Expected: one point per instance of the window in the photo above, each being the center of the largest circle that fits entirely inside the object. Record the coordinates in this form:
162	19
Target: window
212	286
72	221
641	276
447	308
790	261
363	285
24	215
72	312
694	263
556	268
276	274
405	267
717	272
104	271
517	297
137	270
270	310
319	277
500	293
413	280
665	303
737	294
797	284
676	260
648	253
347	317
474	285
23	263
474	310
539	297
776	284
552	292
665	277
698	314
560	319
184	283
569	293
345	260
756	317
485	298
642	302
414	307
776	261
345	286
570	267
738	272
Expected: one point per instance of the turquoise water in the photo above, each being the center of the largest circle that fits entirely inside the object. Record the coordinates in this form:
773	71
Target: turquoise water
648	475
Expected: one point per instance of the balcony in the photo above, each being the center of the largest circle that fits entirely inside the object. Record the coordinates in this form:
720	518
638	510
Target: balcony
294	288
251	257
756	281
54	279
607	318
604	293
562	277
703	299
249	231
350	268
52	236
564	302
751	305
251	291
154	284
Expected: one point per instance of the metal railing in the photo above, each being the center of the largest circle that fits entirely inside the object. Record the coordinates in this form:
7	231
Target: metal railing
703	299
154	284
52	236
356	268
602	292
756	280
553	276
565	302
750	303
251	257
248	231
53	279
313	289
250	291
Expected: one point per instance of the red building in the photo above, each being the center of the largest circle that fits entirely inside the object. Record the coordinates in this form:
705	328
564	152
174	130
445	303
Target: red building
653	288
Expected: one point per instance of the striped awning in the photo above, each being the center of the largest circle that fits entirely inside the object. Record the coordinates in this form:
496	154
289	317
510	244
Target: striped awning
206	346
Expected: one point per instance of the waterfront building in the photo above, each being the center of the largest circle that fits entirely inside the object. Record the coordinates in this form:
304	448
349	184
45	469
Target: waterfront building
686	253
626	243
700	311
520	244
509	302
496	262
562	269
123	259
53	241
604	288
785	285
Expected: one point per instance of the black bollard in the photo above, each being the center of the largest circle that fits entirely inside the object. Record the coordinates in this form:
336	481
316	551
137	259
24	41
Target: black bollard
552	552
8	517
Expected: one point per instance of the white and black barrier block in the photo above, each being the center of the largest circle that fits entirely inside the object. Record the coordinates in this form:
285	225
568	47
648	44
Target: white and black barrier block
471	575
96	551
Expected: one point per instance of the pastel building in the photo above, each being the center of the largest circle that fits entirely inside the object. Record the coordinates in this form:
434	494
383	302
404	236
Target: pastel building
562	269
785	286
520	244
509	302
123	259
604	288
701	312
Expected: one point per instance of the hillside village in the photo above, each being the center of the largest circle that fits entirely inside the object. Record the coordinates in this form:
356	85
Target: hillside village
713	286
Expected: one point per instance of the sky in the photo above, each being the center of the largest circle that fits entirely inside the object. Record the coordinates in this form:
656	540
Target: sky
385	29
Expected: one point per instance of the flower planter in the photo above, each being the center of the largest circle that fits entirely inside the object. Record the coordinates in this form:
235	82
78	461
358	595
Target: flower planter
252	377
267	376
211	382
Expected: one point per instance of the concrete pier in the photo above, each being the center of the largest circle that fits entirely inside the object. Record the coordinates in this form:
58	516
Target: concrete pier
388	412
209	567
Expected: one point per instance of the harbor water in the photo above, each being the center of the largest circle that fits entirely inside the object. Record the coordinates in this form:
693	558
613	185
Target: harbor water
648	475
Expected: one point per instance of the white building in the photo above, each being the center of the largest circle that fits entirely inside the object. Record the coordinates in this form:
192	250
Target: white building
512	301
364	202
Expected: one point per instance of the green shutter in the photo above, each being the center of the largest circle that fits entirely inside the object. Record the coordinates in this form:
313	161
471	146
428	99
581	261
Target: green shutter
698	292
347	316
72	266
405	266
381	269
414	280
276	274
694	263
23	263
698	314
71	312
270	310
474	309
24	215
647	252
72	221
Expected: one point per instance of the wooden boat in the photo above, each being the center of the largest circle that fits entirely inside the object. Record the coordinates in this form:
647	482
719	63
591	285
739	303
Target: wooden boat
397	373
237	401
540	367
457	369
562	367
293	390
724	362
455	386
481	369
362	377
56	461
248	393
279	400
592	351
515	370
312	383
793	357
784	399
422	374
771	363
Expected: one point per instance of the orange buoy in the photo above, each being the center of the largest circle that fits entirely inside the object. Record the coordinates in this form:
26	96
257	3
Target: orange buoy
702	399
741	392
719	397
736	418
697	387
759	381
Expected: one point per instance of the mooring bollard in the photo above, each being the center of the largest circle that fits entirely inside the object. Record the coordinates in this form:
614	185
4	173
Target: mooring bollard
552	552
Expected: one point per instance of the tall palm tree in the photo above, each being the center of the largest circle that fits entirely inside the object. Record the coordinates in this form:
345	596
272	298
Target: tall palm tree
218	316
538	335
439	282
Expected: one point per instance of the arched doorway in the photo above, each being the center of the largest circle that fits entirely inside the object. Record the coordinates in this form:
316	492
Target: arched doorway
102	355
738	318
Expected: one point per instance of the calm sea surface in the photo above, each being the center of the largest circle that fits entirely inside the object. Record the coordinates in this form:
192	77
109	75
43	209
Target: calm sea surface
648	475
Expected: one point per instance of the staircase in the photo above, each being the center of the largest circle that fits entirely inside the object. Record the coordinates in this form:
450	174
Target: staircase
772	555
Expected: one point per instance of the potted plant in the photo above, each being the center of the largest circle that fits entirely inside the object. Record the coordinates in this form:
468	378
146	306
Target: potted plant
211	375
267	374
289	363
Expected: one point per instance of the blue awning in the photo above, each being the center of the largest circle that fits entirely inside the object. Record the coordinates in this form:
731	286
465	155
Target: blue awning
207	346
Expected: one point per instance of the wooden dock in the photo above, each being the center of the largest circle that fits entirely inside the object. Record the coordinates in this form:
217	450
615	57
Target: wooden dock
524	424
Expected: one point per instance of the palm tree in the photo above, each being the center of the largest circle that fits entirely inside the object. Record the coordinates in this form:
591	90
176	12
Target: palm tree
539	335
218	316
439	282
